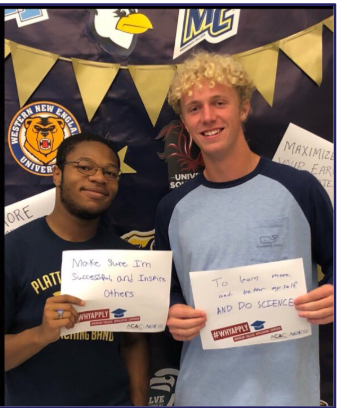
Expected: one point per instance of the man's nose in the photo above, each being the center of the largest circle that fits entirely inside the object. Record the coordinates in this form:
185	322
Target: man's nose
208	114
99	176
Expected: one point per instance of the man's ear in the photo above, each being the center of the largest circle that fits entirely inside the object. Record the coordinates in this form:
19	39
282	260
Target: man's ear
245	108
182	119
57	176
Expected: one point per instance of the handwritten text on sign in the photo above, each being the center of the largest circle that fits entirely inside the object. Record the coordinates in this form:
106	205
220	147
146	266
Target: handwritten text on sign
124	290
250	304
305	151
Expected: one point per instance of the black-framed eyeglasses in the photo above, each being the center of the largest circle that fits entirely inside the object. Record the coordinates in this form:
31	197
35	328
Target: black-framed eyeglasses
90	168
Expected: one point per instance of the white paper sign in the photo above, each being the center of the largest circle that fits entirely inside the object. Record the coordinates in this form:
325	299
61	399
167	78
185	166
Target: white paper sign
124	290
305	151
27	210
250	304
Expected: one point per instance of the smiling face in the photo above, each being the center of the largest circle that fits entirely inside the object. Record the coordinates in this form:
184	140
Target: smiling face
86	197
213	117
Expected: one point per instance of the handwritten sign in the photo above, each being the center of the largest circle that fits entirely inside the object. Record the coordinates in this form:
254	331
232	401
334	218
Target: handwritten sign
305	151
124	290
27	210
250	304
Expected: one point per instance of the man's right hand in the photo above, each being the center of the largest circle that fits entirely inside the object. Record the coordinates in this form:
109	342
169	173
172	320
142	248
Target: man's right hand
50	328
22	346
185	322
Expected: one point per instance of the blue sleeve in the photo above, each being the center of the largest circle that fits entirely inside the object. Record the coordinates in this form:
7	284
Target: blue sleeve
321	222
317	207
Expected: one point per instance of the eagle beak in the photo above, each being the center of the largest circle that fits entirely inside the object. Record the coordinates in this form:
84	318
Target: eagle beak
134	24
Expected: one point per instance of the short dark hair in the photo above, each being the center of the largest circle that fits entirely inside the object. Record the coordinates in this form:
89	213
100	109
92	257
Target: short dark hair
70	142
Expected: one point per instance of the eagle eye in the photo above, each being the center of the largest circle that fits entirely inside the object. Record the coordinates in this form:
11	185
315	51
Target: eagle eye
124	12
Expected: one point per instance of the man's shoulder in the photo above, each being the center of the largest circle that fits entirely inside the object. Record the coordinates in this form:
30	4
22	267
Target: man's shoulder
171	199
303	185
26	231
288	174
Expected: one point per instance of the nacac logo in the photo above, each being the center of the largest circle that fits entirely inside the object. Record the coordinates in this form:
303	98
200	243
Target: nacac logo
26	17
278	336
149	326
213	25
35	134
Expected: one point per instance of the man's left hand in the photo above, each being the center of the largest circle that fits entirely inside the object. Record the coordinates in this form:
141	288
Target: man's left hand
317	305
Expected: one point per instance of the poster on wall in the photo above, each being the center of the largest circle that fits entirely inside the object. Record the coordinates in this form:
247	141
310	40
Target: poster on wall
108	71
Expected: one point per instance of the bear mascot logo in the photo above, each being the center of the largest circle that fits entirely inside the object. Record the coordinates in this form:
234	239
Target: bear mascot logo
36	132
43	137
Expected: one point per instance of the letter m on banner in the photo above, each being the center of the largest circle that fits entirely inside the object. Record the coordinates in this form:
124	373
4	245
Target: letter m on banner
212	25
25	17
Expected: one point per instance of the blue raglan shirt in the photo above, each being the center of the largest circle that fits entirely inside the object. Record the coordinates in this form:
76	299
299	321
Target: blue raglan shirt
211	226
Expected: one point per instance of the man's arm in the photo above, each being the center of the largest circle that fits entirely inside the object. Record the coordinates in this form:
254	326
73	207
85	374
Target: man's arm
22	346
135	353
318	304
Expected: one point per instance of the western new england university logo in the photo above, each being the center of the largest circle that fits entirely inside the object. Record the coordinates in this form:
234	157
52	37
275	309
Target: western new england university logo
35	134
212	25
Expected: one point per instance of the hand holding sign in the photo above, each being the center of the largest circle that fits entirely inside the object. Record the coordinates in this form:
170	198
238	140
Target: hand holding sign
250	304
124	290
317	305
58	312
184	322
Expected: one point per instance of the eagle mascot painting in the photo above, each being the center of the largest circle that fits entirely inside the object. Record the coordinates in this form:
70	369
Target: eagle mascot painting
116	30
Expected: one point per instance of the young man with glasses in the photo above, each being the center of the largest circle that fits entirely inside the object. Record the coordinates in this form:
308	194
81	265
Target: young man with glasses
91	368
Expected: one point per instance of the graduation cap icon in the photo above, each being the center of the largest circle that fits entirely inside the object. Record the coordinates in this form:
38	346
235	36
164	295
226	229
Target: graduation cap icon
258	324
118	312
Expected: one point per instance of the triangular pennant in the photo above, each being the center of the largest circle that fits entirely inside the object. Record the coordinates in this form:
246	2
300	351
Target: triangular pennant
30	68
329	23
94	80
124	167
7	48
261	66
305	50
152	83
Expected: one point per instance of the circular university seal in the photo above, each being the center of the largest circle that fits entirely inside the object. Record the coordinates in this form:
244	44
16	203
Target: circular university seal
36	132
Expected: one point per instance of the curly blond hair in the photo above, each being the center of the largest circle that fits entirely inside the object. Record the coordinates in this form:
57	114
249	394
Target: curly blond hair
214	68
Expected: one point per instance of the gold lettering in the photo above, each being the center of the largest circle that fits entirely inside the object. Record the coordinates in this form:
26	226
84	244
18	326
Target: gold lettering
40	284
35	286
83	336
52	276
77	336
47	281
58	276
105	336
